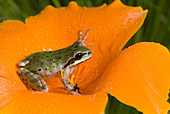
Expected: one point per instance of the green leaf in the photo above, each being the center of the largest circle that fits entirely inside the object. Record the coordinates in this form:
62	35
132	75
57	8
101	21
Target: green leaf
116	107
169	97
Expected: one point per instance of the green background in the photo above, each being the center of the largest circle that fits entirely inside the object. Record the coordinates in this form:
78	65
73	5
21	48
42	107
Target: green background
156	27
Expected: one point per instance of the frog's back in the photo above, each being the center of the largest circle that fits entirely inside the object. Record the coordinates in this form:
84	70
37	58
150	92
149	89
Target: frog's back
45	64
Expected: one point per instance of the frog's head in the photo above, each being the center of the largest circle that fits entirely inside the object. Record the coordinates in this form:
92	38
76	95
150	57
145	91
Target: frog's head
80	53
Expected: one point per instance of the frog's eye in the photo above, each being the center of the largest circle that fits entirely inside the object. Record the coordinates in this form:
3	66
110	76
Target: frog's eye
79	56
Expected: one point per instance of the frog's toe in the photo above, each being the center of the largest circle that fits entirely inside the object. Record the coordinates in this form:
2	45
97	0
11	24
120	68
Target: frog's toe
74	93
44	88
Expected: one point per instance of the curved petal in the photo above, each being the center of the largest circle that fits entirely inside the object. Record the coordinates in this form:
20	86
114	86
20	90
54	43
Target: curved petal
35	102
140	77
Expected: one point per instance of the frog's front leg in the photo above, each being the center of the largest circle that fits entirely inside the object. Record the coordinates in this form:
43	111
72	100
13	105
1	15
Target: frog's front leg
66	83
32	81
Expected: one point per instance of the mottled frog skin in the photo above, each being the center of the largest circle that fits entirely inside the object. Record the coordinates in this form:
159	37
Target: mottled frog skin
40	66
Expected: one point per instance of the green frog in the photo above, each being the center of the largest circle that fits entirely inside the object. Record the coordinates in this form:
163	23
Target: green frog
40	66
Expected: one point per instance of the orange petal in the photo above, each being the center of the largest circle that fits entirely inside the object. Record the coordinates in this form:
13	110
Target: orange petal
36	102
139	77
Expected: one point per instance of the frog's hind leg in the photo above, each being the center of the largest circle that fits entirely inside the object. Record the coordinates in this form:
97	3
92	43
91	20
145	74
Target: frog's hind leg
32	81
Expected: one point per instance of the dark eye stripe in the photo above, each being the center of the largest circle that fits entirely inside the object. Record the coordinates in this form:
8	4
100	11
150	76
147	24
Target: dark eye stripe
71	61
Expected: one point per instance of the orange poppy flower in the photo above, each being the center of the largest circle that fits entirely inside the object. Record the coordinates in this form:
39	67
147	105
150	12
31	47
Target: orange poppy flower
137	76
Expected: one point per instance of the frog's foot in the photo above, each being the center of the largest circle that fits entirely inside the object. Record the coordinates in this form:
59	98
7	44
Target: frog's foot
82	40
32	81
69	87
76	89
74	93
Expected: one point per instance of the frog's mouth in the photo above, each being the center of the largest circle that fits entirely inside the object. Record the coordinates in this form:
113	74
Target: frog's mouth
74	62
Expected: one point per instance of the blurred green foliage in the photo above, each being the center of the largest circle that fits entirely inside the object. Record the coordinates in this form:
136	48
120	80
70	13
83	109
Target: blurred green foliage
155	29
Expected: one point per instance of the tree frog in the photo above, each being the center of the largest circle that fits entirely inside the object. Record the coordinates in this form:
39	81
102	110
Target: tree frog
40	66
